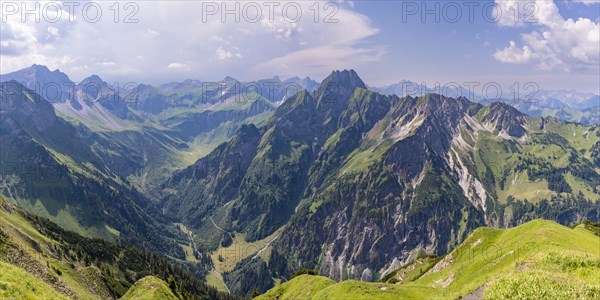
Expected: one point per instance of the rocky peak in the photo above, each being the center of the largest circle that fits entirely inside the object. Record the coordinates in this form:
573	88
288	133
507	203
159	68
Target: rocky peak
39	68
93	88
229	79
435	108
39	78
340	82
94	79
506	118
334	92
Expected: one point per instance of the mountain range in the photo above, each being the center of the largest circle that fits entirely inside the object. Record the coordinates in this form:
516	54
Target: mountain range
245	186
566	105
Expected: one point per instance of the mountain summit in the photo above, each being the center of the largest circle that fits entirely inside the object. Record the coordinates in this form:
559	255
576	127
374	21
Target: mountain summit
51	85
338	86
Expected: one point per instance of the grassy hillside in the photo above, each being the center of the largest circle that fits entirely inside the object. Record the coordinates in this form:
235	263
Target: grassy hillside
537	260
16	283
38	259
149	288
300	287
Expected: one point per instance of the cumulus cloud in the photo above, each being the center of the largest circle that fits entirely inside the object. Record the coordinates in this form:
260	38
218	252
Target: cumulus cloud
557	43
514	54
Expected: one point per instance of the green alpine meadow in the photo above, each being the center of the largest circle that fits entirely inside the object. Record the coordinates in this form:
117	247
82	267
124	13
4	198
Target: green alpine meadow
302	150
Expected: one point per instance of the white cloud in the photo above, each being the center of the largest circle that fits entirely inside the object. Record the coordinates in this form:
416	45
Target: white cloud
222	54
558	43
178	66
323	47
514	54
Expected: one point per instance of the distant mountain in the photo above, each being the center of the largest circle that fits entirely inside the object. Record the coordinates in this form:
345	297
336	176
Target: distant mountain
307	83
566	105
54	85
571	98
413	89
95	103
194	93
593	101
92	100
210	112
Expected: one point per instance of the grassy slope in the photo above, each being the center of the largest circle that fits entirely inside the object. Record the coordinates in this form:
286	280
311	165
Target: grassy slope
16	283
149	287
537	258
26	238
300	287
43	257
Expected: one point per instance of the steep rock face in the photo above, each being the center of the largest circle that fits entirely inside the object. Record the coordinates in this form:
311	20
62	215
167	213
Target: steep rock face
404	199
506	118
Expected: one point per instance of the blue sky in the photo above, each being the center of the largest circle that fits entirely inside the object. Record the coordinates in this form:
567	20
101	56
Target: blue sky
464	51
172	41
